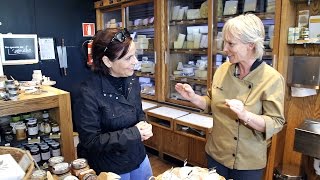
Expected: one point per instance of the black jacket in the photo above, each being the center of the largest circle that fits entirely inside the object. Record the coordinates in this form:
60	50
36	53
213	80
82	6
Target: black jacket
106	121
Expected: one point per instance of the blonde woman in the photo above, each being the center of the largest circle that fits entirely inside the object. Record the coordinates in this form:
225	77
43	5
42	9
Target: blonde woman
246	100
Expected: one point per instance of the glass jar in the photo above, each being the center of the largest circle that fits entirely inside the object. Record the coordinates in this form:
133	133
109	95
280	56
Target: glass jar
55	160
21	131
35	152
55	128
32	128
45	126
8	135
55	149
45	152
61	170
78	166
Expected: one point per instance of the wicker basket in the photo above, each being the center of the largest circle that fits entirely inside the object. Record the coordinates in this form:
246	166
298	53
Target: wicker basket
17	154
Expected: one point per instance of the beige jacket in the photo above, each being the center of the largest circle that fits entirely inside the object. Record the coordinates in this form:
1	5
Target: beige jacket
231	143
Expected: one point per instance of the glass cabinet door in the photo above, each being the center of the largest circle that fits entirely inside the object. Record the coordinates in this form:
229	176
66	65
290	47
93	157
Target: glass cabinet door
189	52
110	17
264	9
140	21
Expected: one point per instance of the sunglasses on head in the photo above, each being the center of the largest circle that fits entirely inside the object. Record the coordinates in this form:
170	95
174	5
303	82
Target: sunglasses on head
120	36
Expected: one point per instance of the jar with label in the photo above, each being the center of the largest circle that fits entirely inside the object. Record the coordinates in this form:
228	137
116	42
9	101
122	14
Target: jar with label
21	131
45	114
61	170
45	152
35	153
32	128
55	160
55	149
8	135
78	166
89	174
55	128
45	126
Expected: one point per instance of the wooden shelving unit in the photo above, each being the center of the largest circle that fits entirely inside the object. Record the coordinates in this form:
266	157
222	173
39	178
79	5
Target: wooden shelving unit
58	103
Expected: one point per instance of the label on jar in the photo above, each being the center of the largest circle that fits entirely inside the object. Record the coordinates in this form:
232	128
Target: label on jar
37	157
33	131
45	155
56	152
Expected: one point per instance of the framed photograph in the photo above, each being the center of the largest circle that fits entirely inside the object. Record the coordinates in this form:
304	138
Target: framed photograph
230	8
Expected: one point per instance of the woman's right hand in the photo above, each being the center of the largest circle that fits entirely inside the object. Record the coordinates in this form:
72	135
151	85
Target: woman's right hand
185	90
145	130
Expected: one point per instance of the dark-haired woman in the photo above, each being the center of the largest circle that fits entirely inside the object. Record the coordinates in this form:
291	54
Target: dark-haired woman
110	120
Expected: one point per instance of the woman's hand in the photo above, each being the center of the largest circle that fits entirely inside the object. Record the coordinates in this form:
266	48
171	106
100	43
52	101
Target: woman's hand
145	130
185	90
238	107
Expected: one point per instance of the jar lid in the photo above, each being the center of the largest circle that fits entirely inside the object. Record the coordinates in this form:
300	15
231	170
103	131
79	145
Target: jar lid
44	147
45	115
32	122
20	126
25	116
55	144
60	168
31	119
79	163
15	118
55	160
34	149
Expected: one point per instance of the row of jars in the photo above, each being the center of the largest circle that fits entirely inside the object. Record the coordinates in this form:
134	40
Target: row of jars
77	170
20	128
43	151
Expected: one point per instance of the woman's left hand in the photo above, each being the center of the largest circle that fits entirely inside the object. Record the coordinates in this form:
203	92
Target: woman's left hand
237	106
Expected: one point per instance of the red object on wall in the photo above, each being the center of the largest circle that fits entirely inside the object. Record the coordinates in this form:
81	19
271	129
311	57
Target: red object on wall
88	29
90	60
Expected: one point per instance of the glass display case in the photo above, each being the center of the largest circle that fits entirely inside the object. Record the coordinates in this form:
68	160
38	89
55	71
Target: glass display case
140	18
140	21
189	41
265	10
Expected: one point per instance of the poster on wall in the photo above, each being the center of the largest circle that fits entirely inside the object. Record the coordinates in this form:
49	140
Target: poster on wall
88	29
46	47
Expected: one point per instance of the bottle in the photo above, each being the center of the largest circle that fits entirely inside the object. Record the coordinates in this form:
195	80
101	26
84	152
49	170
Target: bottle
32	128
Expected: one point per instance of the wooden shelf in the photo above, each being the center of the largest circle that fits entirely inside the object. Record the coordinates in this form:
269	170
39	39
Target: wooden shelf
140	27
189	80
189	51
58	102
189	22
144	74
262	16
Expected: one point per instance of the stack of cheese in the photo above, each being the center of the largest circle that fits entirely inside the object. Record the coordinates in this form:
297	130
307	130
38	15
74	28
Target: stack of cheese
191	173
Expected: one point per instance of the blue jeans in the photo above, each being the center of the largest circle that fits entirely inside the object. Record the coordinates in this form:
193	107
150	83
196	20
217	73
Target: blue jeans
143	172
234	173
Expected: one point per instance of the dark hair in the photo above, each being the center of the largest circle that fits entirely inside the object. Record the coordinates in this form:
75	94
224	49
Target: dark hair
116	50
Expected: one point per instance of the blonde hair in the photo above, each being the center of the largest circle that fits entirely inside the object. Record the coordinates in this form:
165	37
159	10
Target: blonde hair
247	28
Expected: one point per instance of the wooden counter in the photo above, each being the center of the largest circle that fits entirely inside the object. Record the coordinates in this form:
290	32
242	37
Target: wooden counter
58	103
